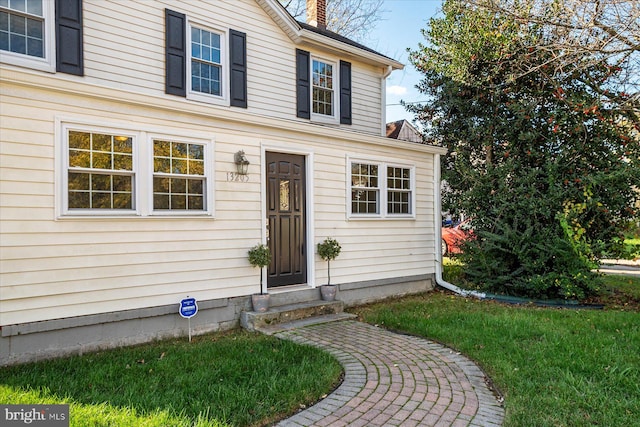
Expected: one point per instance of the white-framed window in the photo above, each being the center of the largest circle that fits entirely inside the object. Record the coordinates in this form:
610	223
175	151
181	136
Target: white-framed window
323	93
380	190
179	178
100	171
207	65
27	33
110	171
365	189
399	190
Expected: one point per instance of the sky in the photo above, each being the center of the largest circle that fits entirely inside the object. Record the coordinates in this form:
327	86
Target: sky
398	30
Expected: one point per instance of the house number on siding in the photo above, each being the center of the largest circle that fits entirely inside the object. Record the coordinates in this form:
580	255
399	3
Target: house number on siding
236	177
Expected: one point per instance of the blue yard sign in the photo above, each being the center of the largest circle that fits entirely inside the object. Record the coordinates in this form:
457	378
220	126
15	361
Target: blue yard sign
188	308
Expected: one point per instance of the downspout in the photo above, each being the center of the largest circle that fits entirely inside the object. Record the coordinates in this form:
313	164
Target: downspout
383	108
438	228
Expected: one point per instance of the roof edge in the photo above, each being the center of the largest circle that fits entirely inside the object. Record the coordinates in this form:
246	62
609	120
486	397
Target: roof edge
301	33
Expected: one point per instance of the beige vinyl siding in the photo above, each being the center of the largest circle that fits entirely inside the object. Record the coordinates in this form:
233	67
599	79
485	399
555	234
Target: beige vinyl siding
124	49
366	99
53	268
68	267
374	248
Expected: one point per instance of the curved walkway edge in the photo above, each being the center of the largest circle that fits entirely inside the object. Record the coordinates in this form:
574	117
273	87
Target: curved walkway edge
395	380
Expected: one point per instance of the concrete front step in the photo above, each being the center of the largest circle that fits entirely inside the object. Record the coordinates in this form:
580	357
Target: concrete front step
253	321
301	323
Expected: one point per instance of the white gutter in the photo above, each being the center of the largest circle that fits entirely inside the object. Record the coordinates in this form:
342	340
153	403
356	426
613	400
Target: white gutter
438	228
383	107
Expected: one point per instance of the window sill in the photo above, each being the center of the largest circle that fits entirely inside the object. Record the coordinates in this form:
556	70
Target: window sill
381	218
102	216
25	61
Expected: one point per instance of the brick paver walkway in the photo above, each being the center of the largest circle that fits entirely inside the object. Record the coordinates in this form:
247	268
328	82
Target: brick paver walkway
395	380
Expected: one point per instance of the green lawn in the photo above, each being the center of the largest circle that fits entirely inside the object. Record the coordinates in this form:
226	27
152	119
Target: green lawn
233	379
554	367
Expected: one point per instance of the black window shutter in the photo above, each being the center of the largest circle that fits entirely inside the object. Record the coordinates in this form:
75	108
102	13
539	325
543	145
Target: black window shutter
238	68
175	50
303	87
69	55
345	93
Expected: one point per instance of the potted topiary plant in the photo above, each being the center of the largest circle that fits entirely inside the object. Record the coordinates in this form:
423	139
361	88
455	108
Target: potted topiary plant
328	250
260	256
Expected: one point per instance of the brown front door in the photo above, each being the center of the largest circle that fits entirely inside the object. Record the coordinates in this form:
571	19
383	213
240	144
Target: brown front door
286	219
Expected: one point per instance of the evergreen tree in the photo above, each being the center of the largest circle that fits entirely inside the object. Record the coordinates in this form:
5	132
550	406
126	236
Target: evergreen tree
540	161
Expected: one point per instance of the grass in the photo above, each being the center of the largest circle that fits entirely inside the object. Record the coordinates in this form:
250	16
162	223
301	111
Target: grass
232	379
554	367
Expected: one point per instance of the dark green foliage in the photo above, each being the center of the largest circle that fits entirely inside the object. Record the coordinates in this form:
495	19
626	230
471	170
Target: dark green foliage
544	166
259	256
329	250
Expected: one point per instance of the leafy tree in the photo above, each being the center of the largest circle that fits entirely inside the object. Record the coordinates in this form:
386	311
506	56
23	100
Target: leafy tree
350	18
585	33
542	162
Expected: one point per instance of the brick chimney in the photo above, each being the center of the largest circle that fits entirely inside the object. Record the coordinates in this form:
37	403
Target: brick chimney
317	13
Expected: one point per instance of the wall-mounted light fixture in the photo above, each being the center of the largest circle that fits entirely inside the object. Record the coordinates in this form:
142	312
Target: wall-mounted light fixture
242	164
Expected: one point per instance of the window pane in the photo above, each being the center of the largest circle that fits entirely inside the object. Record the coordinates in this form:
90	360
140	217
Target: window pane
4	39
122	162
79	200
122	183
34	29
17	24
215	55
196	202
79	140
101	201
34	7
34	48
162	165
122	201
80	159
161	201
122	144
17	43
179	150
78	181
195	36
196	167
179	166
162	148
196	186
179	186
19	5
160	185
178	202
101	142
101	161
101	182
196	151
